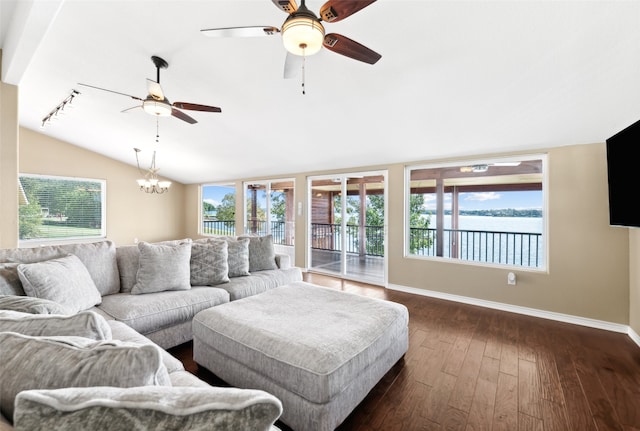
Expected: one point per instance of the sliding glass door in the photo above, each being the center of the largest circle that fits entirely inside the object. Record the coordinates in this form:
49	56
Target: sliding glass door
347	228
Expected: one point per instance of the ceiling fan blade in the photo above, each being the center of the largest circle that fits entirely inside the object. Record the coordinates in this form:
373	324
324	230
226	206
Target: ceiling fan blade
110	91
251	31
154	89
336	10
292	65
133	107
181	115
287	6
350	48
196	107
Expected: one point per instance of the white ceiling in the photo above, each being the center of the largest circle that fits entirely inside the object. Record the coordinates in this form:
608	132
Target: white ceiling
456	78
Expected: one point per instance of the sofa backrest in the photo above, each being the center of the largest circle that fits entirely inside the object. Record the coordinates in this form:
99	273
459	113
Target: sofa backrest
99	258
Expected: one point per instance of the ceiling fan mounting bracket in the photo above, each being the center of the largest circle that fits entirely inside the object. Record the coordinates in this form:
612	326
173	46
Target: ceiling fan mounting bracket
159	62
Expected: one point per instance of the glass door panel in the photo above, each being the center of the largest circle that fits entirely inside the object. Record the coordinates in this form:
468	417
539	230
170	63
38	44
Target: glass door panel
325	225
348	229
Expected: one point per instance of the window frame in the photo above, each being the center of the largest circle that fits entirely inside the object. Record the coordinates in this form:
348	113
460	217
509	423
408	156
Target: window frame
201	230
29	242
544	250
268	190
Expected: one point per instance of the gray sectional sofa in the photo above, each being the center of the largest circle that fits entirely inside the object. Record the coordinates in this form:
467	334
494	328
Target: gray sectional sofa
148	295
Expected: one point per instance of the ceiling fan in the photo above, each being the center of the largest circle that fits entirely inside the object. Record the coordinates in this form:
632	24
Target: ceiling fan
303	33
156	103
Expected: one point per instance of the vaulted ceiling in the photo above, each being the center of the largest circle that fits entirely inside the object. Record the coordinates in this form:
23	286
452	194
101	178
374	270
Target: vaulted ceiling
456	78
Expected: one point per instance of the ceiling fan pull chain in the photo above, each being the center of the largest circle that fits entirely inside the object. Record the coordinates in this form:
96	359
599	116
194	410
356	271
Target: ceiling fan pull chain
304	58
157	129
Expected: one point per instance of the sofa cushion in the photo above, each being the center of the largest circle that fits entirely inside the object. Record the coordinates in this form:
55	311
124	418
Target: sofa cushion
238	256
153	311
260	281
209	263
147	408
98	257
60	362
163	267
84	324
10	280
100	260
28	304
262	255
64	280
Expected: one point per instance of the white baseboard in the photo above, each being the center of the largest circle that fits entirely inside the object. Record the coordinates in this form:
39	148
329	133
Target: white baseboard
567	318
634	336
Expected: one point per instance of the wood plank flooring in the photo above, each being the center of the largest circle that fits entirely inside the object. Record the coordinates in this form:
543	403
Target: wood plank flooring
471	369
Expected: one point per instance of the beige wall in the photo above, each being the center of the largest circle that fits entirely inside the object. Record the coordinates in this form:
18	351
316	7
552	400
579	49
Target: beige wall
588	271
8	163
130	212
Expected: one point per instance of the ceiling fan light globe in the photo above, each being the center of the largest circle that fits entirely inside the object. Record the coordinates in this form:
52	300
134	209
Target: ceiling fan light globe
142	182
302	35
156	107
164	184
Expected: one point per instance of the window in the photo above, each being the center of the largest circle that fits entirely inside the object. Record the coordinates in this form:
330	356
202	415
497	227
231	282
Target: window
270	209
55	208
219	209
489	212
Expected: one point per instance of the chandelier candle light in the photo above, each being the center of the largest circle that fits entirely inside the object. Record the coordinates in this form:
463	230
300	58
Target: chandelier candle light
150	183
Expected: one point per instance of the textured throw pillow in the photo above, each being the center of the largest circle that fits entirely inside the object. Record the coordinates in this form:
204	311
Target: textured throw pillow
128	260
238	256
86	324
146	408
64	280
163	267
28	304
262	255
9	279
209	263
62	362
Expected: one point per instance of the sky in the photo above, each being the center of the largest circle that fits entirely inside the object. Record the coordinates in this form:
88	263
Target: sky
214	195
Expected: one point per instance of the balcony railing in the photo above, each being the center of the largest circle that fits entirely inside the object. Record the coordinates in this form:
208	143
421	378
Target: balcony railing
508	248
282	232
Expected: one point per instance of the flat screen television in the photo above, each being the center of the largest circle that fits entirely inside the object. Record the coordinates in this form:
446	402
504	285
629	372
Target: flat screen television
623	176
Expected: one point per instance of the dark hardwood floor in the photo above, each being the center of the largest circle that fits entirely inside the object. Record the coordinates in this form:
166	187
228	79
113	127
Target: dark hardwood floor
470	368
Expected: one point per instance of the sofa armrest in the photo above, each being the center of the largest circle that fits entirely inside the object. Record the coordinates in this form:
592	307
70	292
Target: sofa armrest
283	261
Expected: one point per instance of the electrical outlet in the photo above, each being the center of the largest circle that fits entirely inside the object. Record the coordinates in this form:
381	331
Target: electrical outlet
511	279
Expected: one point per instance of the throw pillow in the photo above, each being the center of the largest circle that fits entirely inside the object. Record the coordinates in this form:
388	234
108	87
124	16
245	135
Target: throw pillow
62	362
64	280
146	408
209	263
9	279
163	267
28	304
238	256
262	255
128	260
86	324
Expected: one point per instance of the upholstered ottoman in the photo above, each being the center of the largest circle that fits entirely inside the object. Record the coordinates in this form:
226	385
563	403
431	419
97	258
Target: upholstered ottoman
319	350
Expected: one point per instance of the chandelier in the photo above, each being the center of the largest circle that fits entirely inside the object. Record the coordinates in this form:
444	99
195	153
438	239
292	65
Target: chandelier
150	183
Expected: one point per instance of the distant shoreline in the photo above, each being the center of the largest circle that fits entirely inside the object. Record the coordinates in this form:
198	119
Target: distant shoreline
506	212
